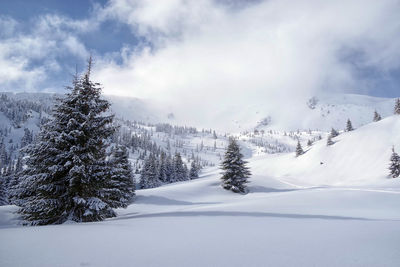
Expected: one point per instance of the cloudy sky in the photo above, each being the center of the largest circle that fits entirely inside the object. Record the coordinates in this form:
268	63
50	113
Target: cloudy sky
193	53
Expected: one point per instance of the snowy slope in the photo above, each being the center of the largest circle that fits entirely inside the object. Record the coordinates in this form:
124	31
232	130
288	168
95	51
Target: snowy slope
327	111
334	110
359	156
197	223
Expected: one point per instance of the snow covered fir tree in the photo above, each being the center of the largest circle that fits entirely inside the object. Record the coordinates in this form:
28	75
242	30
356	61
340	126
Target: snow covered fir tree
148	176
194	170
329	141
309	142
121	186
180	169
334	133
3	192
397	107
377	116
67	175
349	126
394	164
235	172
299	149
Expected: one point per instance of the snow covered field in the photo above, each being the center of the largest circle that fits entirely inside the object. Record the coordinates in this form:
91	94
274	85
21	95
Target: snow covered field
196	223
298	212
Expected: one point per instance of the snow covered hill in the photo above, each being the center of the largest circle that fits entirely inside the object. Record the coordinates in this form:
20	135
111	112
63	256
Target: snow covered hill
357	157
334	110
327	111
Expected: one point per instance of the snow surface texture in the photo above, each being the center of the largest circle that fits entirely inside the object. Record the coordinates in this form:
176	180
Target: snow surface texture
344	212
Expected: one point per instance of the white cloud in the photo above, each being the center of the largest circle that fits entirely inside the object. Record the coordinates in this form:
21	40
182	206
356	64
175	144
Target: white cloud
206	57
203	57
28	57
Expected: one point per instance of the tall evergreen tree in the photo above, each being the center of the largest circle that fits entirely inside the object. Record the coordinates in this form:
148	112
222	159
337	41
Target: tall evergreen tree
377	116
394	164
235	172
180	173
397	107
3	191
169	169
194	170
309	142
299	149
185	172
120	190
215	135
148	176
162	168
349	126
66	170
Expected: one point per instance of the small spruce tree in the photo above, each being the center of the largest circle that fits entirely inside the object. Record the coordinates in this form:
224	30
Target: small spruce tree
148	177
162	168
394	164
299	149
329	142
3	192
397	107
169	169
309	142
334	133
215	135
194	170
235	172
185	172
120	190
349	126
180	173
377	116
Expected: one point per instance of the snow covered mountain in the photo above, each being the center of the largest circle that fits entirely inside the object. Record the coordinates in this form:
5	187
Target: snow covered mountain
327	111
318	113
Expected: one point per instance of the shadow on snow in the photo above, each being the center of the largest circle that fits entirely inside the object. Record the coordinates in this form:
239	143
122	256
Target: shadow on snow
157	200
241	214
